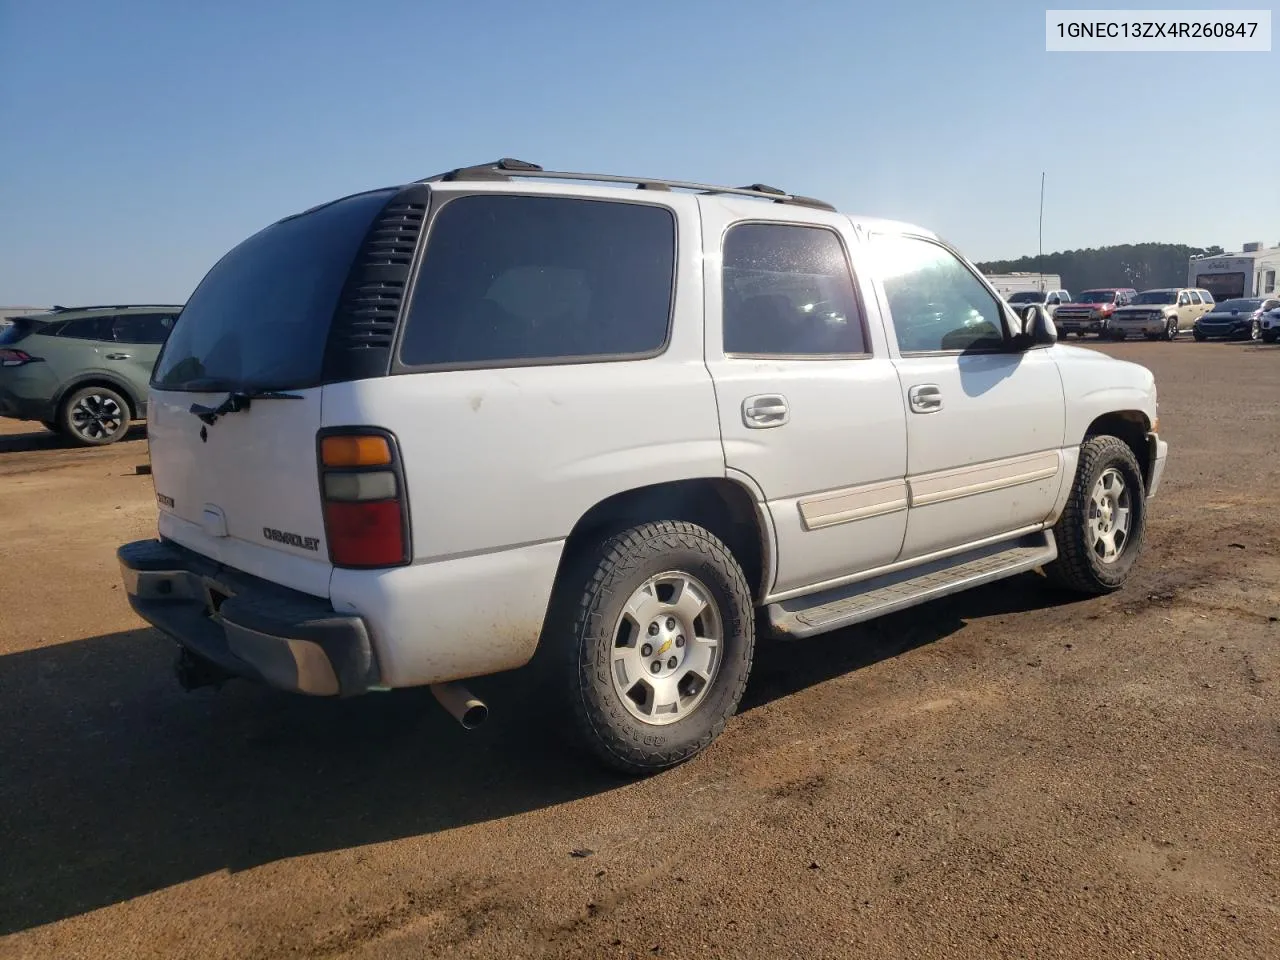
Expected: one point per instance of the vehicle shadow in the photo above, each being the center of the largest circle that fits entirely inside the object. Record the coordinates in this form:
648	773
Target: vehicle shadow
116	783
38	438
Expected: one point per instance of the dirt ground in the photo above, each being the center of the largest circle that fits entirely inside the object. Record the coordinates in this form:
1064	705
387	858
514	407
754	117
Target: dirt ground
1001	774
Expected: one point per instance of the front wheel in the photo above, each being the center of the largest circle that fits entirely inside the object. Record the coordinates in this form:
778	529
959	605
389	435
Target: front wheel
655	632
1255	331
1101	529
1171	329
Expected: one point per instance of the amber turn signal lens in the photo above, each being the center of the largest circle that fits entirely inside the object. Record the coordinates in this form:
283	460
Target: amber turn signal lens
352	451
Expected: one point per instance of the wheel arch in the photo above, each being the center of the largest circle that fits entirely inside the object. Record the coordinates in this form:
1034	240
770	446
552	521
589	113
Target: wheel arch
1134	428
136	405
725	507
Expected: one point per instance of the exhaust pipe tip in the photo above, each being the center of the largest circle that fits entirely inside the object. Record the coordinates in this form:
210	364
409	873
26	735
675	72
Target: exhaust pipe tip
463	705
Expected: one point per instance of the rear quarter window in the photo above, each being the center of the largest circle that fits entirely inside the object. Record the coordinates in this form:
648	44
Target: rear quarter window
511	280
87	328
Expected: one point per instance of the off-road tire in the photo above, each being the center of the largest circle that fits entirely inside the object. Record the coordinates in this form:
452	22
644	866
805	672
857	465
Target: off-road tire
579	632
1077	567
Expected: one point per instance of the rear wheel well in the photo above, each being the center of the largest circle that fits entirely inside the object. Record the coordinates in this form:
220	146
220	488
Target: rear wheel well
1131	426
723	507
130	400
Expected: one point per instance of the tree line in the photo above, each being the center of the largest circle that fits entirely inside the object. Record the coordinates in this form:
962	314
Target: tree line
1138	265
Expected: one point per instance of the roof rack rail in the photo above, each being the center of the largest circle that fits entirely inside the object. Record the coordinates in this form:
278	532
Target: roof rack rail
507	169
58	308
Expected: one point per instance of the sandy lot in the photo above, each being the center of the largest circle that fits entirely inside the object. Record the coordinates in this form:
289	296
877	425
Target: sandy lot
997	775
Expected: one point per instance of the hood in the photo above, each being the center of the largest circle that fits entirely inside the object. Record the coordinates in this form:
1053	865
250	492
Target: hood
1100	307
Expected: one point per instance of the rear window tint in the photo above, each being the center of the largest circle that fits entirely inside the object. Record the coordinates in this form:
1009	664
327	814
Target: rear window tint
87	328
260	318
788	292
143	327
511	279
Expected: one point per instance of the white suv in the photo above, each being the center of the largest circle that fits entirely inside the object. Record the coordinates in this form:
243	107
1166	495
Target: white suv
413	435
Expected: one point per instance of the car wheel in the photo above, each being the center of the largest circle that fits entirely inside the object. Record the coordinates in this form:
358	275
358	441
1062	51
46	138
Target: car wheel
1255	331
1101	529
1171	329
653	632
1200	337
95	416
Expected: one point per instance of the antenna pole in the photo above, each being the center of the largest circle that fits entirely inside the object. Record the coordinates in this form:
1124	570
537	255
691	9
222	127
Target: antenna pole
1040	254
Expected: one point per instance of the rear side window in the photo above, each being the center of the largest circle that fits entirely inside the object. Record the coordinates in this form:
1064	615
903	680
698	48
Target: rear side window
87	328
788	291
523	280
260	318
143	327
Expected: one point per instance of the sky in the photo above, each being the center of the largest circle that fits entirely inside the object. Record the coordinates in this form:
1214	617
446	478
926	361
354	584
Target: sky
141	140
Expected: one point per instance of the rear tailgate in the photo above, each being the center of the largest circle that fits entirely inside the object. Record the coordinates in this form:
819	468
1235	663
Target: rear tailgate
245	489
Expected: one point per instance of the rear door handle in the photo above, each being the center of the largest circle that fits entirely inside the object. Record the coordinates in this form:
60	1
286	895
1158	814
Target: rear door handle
925	398
117	356
765	410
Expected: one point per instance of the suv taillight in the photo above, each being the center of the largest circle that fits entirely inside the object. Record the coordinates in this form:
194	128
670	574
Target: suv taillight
15	358
366	515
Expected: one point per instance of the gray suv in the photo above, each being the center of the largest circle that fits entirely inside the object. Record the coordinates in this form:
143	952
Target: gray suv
82	371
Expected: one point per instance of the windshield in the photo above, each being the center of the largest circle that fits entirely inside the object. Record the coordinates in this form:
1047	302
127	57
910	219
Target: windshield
1026	296
1096	296
260	318
1229	306
1156	296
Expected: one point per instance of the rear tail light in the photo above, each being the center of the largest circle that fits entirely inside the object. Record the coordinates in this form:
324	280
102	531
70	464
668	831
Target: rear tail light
366	512
16	358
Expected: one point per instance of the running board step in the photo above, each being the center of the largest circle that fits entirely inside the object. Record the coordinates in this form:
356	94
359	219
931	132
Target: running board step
867	599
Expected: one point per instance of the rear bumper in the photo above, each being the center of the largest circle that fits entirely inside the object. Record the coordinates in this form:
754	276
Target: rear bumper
1159	452
247	626
24	408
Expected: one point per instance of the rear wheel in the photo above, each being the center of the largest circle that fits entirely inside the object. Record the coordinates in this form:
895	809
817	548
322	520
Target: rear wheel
1100	532
95	416
654	635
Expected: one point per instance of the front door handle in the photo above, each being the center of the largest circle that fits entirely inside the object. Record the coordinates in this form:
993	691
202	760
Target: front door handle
765	410
925	398
117	356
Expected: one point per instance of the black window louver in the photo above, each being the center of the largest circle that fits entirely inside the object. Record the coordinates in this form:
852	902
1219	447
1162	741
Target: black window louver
364	324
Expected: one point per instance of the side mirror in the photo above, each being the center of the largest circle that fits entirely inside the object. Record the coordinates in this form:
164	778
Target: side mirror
1037	328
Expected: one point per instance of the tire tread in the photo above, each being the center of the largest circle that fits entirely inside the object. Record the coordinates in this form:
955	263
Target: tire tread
612	562
1073	569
